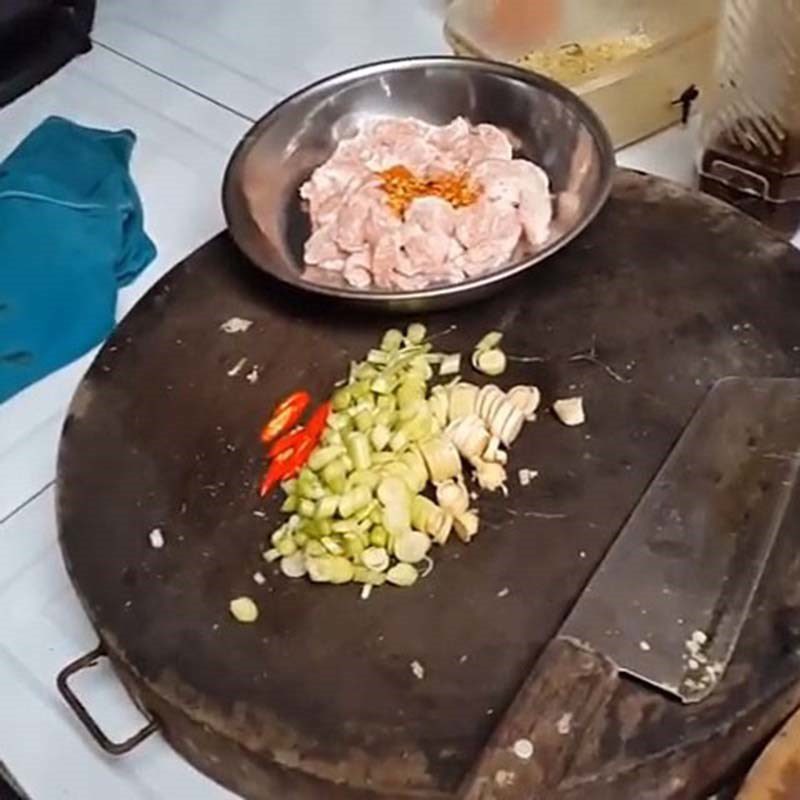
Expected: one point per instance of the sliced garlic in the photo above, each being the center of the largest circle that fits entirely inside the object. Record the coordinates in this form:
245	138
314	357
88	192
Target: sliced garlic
570	411
491	476
526	399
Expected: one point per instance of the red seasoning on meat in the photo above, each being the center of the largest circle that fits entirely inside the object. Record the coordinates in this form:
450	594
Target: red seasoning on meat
403	187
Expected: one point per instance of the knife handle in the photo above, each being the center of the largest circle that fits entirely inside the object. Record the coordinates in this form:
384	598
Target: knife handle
531	749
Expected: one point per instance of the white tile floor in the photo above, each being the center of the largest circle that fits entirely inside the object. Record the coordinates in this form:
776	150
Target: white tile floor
186	77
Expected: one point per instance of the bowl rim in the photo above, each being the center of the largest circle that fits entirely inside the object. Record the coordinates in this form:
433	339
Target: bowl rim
600	135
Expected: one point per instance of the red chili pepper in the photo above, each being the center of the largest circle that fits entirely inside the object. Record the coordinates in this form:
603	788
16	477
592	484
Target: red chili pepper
316	425
276	471
286	414
302	398
287	440
300	456
289	461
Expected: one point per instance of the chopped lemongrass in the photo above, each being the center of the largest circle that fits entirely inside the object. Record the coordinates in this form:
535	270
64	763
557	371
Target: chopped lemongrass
364	420
358	450
416	333
326	507
441	458
379	536
363	477
306	508
379	436
378	357
286	547
366	591
356	499
323	456
358	508
396	519
489	341
314	549
294	566
332	546
319	568
570	411
271	555
402	575
243	609
411	546
341	399
375	559
417	476
451	364
392	340
490	362
366	575
341	570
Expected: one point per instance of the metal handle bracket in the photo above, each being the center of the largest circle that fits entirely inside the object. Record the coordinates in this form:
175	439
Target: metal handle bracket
82	713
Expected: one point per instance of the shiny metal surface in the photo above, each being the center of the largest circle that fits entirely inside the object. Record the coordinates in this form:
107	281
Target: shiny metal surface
548	123
673	592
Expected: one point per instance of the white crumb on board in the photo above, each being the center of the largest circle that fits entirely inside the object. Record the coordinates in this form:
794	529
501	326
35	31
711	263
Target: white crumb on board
237	368
505	778
252	376
523	749
644	646
259	578
156	537
526	475
503	592
236	325
418	670
564	724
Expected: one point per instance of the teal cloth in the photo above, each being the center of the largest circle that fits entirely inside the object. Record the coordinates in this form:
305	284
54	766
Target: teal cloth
71	234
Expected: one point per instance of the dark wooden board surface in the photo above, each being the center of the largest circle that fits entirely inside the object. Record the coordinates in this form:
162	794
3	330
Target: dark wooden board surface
676	289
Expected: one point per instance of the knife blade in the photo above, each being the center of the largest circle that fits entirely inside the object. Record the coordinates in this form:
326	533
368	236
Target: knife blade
669	600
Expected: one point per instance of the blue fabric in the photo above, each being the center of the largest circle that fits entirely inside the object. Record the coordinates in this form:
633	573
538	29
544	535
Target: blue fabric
71	234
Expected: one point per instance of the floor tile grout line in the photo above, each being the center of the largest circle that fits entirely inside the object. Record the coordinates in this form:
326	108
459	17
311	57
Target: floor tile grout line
27	502
175	82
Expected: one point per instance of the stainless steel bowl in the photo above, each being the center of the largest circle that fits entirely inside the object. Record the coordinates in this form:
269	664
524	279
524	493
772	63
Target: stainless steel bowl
550	125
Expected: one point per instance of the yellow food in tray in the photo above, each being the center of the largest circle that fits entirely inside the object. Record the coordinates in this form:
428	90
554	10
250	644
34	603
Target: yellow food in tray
571	62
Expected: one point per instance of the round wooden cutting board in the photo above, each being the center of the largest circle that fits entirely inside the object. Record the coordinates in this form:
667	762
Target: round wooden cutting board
318	699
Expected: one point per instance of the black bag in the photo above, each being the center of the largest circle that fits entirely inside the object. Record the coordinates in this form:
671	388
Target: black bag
37	37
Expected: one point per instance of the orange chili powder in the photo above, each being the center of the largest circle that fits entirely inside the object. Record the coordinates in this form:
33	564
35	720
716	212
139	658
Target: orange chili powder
403	187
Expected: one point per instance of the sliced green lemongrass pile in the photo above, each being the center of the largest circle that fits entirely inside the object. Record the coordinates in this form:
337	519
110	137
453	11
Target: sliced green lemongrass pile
358	511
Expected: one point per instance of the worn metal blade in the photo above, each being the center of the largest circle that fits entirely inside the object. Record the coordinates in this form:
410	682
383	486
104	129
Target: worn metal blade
668	602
